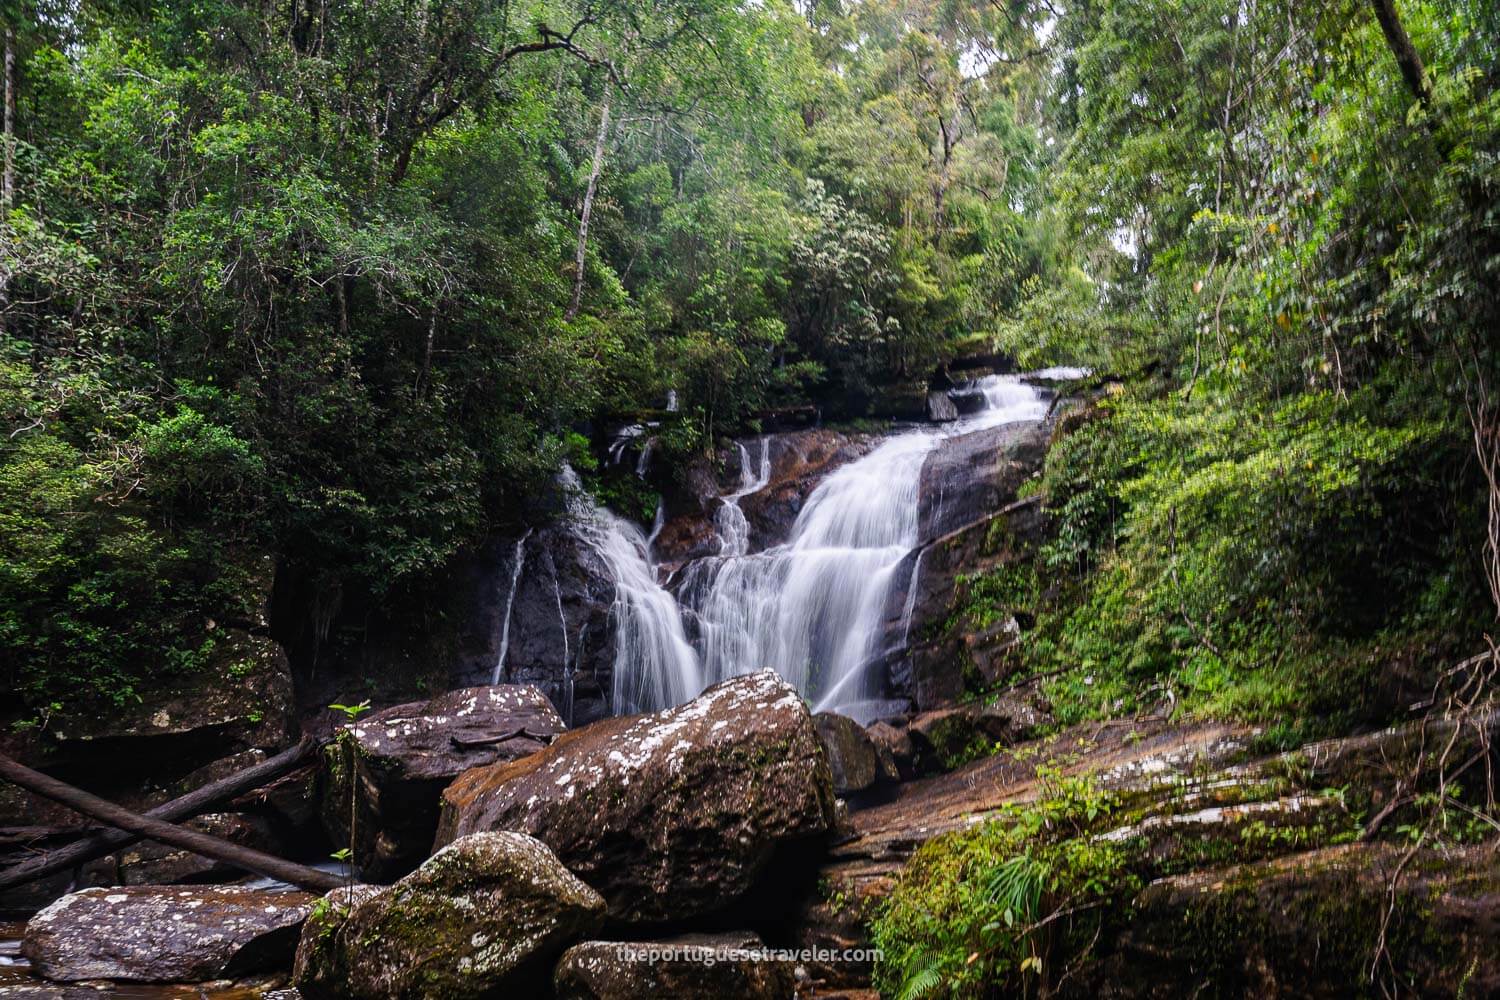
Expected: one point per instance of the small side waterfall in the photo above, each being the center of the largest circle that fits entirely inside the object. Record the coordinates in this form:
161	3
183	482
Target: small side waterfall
729	519
518	561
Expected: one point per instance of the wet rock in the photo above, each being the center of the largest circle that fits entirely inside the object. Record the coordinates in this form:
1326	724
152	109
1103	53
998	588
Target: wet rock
940	408
667	815
401	759
290	803
553	618
1307	925
687	537
893	742
158	934
974	475
486	915
799	461
933	664
688	967
853	758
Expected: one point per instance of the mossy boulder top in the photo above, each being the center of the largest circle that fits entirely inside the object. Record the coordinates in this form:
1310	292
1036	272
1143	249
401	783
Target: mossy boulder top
668	815
488	914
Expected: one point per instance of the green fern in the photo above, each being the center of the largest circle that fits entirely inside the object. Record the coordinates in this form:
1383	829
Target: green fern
925	980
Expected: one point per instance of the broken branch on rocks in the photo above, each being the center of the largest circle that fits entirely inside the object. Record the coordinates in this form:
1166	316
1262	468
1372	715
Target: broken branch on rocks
155	829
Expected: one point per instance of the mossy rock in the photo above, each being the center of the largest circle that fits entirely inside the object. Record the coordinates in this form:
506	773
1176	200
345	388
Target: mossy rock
485	916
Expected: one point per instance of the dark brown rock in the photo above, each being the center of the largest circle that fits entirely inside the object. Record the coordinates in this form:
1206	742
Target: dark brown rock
853	759
973	475
799	461
688	967
894	743
403	757
160	934
668	815
485	916
940	663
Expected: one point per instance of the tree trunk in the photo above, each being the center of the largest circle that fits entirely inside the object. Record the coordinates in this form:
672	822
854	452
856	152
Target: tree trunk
1405	52
197	801
588	204
8	183
154	829
8	180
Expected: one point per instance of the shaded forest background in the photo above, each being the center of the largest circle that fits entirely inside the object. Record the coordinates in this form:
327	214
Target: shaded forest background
327	292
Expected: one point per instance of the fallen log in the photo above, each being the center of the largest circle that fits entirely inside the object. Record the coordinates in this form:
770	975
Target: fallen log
155	829
98	844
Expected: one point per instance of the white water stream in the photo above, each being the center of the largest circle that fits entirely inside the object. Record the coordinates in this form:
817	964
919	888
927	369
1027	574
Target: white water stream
811	607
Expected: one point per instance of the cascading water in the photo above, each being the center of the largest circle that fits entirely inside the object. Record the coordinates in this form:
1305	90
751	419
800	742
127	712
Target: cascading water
654	666
810	608
729	520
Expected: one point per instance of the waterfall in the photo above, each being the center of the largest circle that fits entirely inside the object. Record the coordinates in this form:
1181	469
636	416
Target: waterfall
729	521
654	666
518	560
812	607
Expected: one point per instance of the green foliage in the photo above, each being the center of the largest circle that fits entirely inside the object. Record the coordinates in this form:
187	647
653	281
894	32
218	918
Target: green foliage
1006	904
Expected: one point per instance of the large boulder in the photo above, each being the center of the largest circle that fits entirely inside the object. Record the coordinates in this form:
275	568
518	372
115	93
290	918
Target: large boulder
668	815
399	760
973	475
688	967
160	934
486	916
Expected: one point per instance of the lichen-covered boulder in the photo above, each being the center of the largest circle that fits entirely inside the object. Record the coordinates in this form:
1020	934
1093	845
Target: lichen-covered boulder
165	934
854	760
688	967
486	916
668	815
1309	924
401	758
